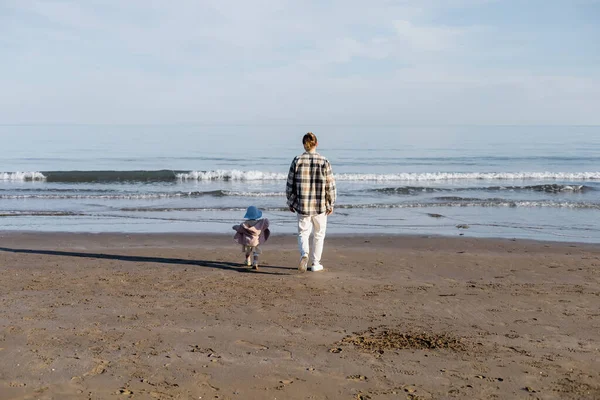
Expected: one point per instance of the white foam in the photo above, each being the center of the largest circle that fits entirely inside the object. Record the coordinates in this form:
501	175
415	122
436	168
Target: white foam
237	175
483	203
22	176
91	196
450	176
255	194
133	196
234	175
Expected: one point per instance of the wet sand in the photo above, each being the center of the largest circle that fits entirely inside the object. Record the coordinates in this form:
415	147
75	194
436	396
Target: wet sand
168	316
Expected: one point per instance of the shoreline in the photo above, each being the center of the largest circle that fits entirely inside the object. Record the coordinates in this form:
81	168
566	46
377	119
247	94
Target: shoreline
172	316
281	238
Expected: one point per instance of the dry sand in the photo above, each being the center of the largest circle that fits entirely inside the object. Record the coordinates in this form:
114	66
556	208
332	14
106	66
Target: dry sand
86	316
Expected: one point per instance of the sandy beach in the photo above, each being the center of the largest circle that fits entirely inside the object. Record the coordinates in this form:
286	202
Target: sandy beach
171	316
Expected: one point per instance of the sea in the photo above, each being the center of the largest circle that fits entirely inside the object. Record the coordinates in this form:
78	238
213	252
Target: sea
523	182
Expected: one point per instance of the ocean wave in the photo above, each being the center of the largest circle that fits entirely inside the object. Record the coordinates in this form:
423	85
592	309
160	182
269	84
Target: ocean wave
40	213
191	209
451	202
408	190
21	176
547	188
456	176
231	175
136	196
239	175
484	203
467	202
255	194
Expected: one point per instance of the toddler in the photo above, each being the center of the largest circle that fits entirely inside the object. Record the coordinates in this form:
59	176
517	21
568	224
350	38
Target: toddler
251	233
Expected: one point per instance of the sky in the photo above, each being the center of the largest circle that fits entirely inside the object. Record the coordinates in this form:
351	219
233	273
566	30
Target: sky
440	62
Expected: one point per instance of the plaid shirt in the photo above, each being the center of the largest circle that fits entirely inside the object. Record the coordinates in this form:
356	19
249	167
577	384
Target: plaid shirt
310	186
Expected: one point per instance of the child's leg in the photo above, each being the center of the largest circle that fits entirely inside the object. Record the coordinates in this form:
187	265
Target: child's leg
248	251
256	255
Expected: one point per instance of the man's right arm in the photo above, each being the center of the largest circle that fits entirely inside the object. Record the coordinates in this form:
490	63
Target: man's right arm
290	189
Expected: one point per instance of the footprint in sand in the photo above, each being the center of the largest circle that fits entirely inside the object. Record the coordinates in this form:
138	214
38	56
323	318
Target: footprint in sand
98	369
254	346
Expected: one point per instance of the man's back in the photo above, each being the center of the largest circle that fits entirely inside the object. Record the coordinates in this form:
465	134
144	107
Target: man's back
310	186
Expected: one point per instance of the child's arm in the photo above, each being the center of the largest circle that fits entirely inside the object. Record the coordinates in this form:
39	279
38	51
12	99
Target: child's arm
266	230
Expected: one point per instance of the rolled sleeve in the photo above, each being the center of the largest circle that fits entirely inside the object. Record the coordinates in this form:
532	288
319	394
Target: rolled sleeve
330	189
290	188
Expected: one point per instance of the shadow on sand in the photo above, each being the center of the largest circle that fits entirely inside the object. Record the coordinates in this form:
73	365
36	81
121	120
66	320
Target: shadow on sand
180	261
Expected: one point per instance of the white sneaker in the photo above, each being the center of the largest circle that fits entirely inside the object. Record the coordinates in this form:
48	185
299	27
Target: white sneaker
303	264
316	267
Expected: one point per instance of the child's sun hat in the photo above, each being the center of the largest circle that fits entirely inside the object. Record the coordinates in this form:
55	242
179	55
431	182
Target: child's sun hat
253	213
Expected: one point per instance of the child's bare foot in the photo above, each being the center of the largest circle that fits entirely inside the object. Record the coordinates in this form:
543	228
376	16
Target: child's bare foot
248	261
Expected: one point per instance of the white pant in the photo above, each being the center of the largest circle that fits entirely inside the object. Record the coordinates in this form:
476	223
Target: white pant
317	224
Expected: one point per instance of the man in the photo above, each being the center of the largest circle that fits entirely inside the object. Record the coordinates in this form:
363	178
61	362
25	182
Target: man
311	195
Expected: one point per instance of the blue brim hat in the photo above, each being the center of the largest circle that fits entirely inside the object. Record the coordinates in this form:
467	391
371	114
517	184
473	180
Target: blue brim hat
253	213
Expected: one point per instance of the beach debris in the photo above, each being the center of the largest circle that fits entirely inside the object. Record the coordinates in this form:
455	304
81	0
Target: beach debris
463	226
197	349
378	339
98	369
336	350
125	391
286	381
433	215
529	389
479	376
357	378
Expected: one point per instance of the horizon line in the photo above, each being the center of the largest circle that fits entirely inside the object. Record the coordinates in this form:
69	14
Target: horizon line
293	124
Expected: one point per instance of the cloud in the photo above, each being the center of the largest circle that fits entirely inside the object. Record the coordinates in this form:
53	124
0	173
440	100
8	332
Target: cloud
426	61
427	38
